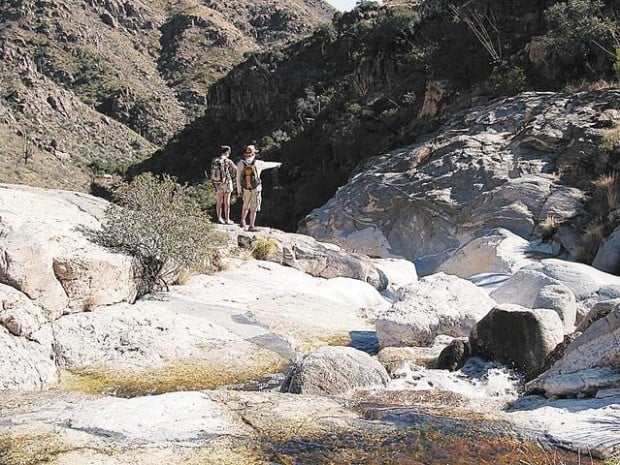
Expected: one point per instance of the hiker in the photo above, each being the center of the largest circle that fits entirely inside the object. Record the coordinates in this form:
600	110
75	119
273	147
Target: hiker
249	184
222	181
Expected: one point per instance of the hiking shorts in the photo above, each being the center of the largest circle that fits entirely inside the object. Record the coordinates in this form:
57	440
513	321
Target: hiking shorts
252	199
223	187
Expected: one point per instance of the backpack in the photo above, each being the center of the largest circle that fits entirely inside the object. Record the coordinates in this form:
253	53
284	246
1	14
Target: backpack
249	176
219	171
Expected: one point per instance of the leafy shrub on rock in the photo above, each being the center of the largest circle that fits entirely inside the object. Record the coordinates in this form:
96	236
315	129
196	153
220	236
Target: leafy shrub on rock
162	224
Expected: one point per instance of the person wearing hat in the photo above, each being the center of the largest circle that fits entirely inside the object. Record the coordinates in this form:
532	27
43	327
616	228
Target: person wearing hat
249	184
222	181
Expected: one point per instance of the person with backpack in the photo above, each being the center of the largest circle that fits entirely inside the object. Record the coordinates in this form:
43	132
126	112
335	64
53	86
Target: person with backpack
221	178
249	184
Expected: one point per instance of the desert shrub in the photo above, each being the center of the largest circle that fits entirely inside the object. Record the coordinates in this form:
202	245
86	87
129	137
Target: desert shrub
616	65
108	167
162	224
579	20
507	81
203	194
549	227
606	191
366	4
610	139
264	248
353	108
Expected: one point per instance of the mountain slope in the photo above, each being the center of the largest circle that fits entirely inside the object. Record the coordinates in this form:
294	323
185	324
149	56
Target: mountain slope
146	65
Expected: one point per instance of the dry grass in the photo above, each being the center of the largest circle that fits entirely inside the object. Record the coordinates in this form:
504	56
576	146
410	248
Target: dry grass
31	449
179	375
607	185
585	85
549	226
610	139
592	238
264	248
47	447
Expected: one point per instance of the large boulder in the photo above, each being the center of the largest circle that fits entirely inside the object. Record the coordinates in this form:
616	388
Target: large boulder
496	252
518	336
591	363
588	284
454	355
587	426
150	348
305	311
533	289
335	370
230	327
48	255
437	304
484	169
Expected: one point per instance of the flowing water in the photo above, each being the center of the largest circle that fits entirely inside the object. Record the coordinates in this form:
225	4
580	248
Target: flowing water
430	417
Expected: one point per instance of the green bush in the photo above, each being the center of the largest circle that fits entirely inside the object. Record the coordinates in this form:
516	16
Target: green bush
507	81
353	108
616	65
162	224
580	20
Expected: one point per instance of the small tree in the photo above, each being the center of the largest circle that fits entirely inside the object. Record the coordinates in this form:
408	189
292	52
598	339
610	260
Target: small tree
162	224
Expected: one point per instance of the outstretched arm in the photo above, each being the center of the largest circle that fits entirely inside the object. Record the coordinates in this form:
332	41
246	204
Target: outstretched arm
265	165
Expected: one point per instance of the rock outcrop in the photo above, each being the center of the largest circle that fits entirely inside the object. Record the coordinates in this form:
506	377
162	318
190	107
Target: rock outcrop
321	259
48	256
498	166
437	304
68	307
590	364
499	252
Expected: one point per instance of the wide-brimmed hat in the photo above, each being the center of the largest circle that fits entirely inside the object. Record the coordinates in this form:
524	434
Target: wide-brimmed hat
250	150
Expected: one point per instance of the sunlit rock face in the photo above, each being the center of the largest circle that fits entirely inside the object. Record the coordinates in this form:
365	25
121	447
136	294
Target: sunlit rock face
511	165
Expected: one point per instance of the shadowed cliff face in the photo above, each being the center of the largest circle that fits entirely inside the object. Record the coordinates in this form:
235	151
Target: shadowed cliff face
377	79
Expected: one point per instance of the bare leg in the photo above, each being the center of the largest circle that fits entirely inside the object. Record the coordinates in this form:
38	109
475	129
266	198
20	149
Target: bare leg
227	206
244	214
219	200
252	219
